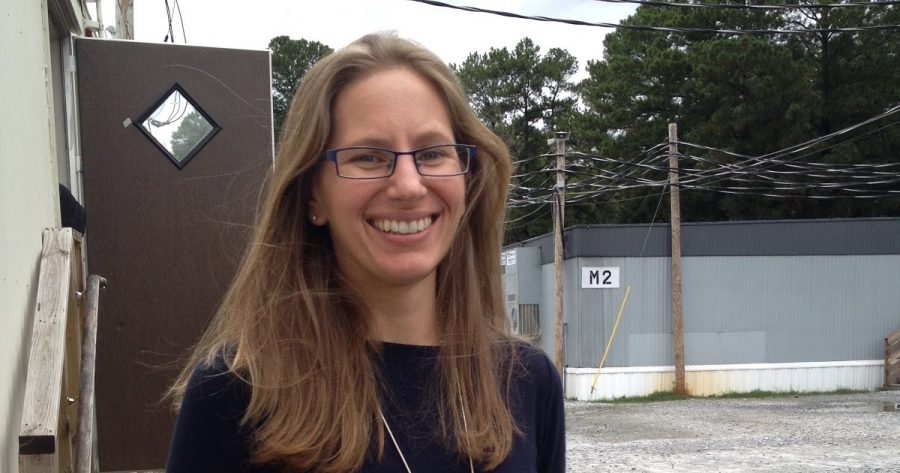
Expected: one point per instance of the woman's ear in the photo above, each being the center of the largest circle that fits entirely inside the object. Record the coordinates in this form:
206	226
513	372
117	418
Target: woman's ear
315	211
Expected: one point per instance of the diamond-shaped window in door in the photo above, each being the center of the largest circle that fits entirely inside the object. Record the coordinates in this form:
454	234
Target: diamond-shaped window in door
178	126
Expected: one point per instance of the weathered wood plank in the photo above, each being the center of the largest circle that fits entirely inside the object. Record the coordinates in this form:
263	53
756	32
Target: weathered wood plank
893	338
893	347
892	360
38	464
44	382
892	374
65	443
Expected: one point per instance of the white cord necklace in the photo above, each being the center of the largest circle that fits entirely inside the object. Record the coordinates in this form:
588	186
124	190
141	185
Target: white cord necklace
400	452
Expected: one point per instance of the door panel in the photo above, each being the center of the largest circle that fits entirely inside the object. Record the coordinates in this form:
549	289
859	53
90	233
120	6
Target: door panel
167	239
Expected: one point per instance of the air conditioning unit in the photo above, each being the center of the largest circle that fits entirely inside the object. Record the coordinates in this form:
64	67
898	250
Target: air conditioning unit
522	285
524	319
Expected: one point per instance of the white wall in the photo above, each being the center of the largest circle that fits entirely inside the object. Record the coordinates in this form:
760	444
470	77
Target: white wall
28	196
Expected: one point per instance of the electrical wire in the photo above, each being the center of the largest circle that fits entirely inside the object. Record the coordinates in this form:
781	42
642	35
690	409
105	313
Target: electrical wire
652	221
170	34
746	6
181	20
665	29
762	164
775	175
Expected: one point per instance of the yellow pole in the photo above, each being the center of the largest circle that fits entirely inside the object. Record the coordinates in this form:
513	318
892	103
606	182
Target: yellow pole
611	337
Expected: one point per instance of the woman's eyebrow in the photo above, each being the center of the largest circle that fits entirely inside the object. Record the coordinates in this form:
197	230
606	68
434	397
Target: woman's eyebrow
427	138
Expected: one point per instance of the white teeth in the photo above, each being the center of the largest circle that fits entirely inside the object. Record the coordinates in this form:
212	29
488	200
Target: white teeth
403	228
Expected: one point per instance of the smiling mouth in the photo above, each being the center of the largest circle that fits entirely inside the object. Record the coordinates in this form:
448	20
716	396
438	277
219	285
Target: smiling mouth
403	227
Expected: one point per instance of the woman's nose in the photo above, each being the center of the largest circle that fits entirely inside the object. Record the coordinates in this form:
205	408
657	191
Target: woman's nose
405	182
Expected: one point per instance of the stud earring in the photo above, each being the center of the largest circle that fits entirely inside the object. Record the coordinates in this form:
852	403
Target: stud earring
314	218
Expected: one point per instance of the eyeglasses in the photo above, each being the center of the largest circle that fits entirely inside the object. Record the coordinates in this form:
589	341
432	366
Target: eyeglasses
364	162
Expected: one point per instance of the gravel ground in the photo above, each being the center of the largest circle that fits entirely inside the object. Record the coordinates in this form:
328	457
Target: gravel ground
847	433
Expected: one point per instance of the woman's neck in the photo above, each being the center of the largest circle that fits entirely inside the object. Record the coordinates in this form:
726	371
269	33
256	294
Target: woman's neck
404	314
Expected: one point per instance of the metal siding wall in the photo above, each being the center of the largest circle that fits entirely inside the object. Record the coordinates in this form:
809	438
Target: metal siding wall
547	342
572	338
792	237
705	380
776	309
782	308
645	322
872	236
619	240
809	308
528	261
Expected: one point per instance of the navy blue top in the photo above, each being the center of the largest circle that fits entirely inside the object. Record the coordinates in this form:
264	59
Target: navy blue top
208	437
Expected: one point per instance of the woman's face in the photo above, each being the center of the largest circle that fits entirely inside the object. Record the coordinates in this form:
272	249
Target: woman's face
395	230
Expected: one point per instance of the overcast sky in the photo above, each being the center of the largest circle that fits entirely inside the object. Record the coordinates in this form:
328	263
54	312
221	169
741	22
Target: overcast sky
452	34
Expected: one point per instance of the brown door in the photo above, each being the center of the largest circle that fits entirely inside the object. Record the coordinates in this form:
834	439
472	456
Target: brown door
176	143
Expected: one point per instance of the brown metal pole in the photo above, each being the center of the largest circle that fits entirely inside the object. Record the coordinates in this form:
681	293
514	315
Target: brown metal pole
675	211
86	437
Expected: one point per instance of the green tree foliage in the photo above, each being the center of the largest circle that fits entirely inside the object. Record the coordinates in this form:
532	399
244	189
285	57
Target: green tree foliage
192	129
291	59
748	94
523	95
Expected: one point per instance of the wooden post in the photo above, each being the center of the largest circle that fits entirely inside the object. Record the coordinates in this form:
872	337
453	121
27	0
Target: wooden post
675	220
44	429
124	19
892	361
558	223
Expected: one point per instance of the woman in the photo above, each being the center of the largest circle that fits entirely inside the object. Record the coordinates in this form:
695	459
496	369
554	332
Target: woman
365	330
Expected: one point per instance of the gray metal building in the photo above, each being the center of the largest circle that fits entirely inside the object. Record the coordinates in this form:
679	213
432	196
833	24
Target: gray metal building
761	293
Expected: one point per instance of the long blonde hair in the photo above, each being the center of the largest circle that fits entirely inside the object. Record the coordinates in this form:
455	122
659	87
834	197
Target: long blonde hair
300	337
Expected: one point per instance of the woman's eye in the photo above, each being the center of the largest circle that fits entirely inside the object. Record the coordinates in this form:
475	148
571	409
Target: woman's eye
368	159
431	155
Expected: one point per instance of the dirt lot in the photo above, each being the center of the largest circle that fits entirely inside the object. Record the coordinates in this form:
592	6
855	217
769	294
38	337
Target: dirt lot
847	433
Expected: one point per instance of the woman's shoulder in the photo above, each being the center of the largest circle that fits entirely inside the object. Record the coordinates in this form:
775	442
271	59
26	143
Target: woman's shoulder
208	434
215	387
534	372
537	405
533	359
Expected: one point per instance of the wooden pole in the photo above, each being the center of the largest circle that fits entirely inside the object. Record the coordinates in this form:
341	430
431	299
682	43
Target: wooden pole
124	19
675	211
558	223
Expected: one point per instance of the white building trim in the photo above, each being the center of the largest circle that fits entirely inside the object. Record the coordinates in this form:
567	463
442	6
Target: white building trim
706	380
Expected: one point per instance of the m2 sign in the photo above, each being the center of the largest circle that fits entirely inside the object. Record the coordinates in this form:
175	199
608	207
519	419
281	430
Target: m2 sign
600	278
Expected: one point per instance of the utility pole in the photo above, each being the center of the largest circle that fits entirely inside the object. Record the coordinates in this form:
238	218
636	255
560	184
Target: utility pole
558	223
675	220
124	19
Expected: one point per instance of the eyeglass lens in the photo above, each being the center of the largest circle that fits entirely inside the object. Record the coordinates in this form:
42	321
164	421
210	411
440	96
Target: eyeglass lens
369	163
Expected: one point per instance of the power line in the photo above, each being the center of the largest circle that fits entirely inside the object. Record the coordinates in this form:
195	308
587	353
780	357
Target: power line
744	6
170	34
765	163
773	175
181	20
665	29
